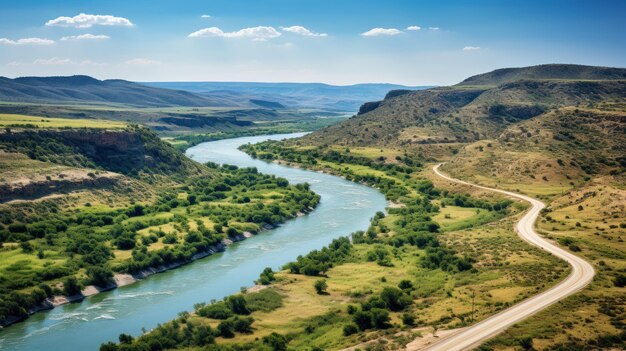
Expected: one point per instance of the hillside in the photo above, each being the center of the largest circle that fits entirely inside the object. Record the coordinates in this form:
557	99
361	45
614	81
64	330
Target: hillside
546	72
33	160
462	114
550	153
84	210
84	89
312	95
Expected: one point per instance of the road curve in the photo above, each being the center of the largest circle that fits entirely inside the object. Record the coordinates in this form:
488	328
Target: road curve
581	275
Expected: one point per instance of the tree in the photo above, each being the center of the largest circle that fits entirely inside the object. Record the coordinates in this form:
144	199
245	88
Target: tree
243	324
125	338
276	341
405	285
238	305
363	319
350	329
226	328
395	299
108	346
100	276
320	286
408	319
71	286
380	318
26	247
232	232
192	199
266	277
202	335
526	343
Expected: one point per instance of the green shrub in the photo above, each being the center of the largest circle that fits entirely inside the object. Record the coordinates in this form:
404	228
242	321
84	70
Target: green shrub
217	310
350	329
320	286
265	300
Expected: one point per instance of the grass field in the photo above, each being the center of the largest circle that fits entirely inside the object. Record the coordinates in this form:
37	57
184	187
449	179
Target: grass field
11	120
454	218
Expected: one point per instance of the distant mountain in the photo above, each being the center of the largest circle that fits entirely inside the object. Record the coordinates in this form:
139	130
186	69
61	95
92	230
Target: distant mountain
311	95
546	72
84	89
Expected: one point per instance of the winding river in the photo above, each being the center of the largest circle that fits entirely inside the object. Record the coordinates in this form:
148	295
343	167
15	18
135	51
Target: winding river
345	207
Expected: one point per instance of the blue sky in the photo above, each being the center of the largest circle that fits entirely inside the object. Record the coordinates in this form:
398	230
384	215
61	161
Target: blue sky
333	41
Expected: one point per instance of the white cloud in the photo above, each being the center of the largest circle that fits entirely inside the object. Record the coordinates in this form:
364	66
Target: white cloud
375	32
26	41
471	48
205	16
413	28
14	63
142	62
302	31
86	21
260	33
52	61
433	28
86	37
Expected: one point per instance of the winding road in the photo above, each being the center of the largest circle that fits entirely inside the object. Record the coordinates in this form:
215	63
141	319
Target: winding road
582	274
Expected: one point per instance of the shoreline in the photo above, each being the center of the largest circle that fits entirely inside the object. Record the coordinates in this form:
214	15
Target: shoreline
124	279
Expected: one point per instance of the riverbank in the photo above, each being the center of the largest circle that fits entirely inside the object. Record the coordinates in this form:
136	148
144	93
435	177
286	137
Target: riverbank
124	279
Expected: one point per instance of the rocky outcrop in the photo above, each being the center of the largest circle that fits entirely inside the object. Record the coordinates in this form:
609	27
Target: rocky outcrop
368	106
31	189
128	151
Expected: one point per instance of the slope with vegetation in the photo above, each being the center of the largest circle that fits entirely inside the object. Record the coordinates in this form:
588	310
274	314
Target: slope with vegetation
81	206
85	89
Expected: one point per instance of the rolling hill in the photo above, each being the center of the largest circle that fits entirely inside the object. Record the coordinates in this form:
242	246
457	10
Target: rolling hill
312	95
546	72
470	112
84	89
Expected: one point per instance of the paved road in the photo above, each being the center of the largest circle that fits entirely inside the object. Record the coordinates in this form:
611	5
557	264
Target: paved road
581	275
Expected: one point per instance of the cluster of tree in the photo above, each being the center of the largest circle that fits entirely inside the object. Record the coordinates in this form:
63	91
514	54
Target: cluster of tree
272	150
266	277
463	200
317	262
182	333
414	227
374	312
